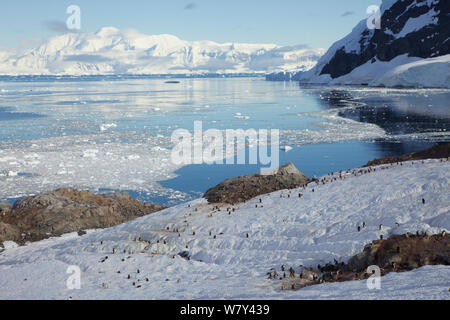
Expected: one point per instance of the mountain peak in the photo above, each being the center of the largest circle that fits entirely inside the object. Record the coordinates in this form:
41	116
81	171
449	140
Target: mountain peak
113	51
107	31
410	49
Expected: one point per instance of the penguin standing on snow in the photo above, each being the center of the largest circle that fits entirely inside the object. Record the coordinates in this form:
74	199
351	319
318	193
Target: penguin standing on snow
291	272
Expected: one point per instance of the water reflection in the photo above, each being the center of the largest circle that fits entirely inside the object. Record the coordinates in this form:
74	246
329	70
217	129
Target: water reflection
396	113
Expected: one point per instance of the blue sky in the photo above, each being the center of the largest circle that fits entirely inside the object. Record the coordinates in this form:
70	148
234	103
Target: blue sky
317	23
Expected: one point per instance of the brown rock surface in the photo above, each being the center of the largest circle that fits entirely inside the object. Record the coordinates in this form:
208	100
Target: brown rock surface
398	253
9	232
436	152
68	210
241	189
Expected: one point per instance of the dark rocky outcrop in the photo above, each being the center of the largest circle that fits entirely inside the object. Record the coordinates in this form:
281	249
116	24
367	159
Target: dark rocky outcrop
241	189
398	253
68	210
436	152
383	44
402	253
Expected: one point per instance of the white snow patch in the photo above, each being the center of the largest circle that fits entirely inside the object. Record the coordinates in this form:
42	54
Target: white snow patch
315	229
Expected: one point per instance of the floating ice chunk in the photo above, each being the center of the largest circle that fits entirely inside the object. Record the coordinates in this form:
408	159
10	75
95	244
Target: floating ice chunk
107	126
6	159
10	173
286	148
90	153
240	116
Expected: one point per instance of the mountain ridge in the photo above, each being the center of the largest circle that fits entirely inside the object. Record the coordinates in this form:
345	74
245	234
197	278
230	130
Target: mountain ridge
411	49
112	51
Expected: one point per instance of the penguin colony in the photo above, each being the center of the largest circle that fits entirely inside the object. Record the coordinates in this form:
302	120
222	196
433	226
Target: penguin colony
139	278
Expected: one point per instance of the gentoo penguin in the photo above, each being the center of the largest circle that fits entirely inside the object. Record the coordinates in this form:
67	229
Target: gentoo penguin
291	273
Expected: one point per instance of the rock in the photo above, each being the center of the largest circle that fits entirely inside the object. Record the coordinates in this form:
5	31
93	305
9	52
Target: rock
5	208
241	189
81	233
436	152
69	210
398	253
406	253
184	254
117	195
9	232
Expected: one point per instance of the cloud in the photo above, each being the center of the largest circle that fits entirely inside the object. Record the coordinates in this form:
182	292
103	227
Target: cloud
56	26
190	6
88	58
348	13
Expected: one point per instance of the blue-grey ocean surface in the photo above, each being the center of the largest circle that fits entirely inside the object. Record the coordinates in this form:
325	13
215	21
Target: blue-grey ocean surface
113	133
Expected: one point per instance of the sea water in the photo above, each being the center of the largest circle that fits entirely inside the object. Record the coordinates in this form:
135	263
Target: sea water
114	133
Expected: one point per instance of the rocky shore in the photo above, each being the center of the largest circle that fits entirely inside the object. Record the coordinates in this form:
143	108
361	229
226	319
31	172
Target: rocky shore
436	152
67	210
242	189
398	253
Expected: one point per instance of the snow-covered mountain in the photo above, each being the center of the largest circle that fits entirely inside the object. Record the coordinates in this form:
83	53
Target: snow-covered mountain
112	51
411	49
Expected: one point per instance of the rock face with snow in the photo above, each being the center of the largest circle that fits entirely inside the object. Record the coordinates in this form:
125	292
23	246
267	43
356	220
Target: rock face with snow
241	189
112	51
436	152
412	49
68	210
403	253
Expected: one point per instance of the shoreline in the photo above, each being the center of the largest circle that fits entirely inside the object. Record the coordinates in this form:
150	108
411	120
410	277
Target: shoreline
439	152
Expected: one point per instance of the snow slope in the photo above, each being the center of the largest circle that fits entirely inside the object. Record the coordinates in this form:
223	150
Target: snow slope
112	51
319	227
402	71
